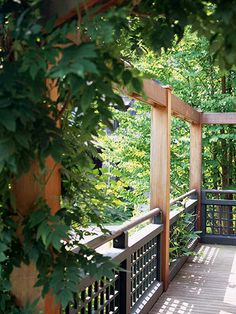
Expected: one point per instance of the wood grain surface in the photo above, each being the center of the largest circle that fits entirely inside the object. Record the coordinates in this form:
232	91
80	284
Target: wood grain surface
205	285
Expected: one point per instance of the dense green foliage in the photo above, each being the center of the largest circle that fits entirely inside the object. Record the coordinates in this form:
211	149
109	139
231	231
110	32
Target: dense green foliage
83	73
181	237
84	77
127	154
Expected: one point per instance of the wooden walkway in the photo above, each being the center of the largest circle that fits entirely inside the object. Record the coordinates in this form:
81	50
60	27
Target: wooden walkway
206	284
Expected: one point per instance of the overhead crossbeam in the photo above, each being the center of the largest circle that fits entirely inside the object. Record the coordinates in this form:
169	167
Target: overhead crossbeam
218	118
155	95
66	10
184	111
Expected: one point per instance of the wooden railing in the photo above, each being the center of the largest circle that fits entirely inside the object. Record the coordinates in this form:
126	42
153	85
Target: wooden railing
137	287
218	216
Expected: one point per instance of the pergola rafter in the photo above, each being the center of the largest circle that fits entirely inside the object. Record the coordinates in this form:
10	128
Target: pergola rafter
155	95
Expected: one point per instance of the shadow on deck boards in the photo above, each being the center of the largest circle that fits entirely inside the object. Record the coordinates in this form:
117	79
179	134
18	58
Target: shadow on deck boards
205	285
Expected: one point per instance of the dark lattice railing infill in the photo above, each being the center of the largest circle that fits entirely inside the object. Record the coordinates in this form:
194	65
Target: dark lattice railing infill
218	216
100	296
136	289
144	269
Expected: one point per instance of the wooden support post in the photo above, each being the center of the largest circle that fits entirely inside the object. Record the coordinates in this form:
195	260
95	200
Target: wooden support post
196	164
160	174
26	191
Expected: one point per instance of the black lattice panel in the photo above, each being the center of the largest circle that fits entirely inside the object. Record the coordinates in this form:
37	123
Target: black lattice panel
220	219
143	269
101	297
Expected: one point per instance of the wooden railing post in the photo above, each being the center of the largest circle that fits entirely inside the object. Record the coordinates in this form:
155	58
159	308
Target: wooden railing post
160	174
121	242
196	164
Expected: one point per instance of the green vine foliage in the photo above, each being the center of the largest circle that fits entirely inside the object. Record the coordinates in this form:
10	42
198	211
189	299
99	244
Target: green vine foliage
83	76
181	237
35	58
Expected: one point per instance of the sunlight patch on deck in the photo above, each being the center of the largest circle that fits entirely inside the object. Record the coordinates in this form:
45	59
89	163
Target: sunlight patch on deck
205	285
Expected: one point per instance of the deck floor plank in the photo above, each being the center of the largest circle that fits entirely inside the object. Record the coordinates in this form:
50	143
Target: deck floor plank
206	284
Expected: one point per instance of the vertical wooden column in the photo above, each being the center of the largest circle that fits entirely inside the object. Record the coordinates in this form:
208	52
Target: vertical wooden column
160	174
196	163
26	191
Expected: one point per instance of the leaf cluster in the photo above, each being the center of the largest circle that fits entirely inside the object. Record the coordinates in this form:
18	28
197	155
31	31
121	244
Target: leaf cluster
181	237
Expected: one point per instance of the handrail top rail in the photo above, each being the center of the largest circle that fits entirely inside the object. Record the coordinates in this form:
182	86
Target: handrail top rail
219	191
174	214
103	239
181	197
136	221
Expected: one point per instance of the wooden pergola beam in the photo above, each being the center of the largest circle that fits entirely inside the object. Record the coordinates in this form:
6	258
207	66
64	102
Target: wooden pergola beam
218	118
184	111
66	10
155	95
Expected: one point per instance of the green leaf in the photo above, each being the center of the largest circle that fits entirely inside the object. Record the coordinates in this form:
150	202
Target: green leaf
7	148
8	119
64	297
127	76
37	217
23	139
43	232
137	84
33	70
76	60
5	102
2	257
87	98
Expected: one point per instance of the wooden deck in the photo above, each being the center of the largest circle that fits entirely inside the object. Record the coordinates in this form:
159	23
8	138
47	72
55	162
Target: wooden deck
206	284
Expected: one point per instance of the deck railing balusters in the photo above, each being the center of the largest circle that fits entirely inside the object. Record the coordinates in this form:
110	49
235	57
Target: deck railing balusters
138	287
218	225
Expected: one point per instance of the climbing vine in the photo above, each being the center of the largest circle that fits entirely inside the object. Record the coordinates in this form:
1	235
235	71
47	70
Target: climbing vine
35	59
182	237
